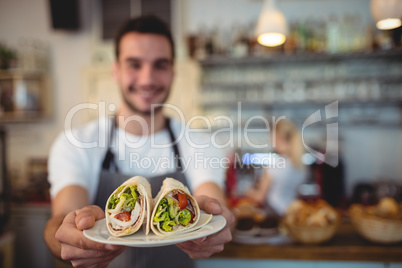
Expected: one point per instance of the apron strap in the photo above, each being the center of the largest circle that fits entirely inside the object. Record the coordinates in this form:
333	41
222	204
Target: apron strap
174	145
109	162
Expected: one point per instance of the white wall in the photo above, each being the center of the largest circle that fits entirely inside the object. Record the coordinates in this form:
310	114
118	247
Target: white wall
70	51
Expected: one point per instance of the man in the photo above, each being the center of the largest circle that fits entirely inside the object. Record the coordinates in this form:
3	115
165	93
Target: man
81	175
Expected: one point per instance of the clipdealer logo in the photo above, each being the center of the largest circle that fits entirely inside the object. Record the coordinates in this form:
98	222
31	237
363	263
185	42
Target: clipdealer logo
331	155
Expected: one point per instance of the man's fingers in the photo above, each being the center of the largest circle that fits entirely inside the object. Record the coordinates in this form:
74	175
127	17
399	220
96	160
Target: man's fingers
199	241
209	205
230	218
85	218
97	262
70	253
70	235
206	246
221	237
199	252
75	238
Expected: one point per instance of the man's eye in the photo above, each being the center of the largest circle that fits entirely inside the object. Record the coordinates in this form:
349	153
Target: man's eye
135	66
161	66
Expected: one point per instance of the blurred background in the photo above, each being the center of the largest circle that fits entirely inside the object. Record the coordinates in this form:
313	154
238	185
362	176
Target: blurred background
335	63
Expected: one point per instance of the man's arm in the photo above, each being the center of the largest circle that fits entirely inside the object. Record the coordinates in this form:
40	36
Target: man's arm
68	199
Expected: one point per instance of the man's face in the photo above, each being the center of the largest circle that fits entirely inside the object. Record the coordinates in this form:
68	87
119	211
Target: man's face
144	70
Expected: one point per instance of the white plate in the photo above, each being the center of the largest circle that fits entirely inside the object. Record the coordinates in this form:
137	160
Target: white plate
99	233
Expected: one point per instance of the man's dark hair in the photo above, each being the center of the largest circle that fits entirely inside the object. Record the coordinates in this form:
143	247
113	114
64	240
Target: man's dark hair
144	24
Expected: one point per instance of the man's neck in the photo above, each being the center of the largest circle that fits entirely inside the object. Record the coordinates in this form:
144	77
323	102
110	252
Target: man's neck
140	124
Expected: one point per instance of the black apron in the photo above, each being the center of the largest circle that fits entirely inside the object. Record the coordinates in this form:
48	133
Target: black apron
110	179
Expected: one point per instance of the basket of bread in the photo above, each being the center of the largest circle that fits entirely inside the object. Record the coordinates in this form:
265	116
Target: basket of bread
311	222
381	223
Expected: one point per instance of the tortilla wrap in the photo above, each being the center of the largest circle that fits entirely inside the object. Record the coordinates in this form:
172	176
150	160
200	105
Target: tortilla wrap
163	203
125	212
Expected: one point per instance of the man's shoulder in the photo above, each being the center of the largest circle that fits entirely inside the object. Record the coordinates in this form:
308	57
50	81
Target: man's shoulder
97	127
85	135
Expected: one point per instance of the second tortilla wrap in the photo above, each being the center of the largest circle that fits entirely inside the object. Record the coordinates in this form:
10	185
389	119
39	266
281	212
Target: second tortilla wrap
175	210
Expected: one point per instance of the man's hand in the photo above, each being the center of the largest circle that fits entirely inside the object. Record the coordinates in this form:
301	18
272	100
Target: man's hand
78	249
206	246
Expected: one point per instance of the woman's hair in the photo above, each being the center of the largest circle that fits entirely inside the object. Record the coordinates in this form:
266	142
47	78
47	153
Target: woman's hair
288	130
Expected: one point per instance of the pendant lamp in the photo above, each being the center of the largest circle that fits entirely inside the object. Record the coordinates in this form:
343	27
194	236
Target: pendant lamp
387	13
271	27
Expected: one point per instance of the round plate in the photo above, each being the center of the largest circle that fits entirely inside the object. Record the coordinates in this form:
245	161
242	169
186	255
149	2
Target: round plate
99	233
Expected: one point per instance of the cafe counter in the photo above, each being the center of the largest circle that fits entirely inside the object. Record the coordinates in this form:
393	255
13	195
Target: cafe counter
346	245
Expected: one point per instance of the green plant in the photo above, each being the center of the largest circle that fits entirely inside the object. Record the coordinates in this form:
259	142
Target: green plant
7	55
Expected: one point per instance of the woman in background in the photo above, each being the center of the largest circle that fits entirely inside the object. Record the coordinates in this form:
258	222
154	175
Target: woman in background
278	184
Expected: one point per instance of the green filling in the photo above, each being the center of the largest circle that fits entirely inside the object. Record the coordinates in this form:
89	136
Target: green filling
168	214
130	197
184	217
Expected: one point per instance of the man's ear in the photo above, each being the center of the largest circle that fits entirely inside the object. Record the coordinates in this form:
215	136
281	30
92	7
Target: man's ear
115	70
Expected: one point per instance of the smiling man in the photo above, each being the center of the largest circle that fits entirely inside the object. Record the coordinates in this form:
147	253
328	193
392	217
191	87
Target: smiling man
83	178
144	71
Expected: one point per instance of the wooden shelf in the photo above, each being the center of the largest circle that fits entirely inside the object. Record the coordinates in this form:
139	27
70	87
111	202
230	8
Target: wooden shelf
25	117
233	75
394	55
301	104
346	245
244	85
25	96
13	73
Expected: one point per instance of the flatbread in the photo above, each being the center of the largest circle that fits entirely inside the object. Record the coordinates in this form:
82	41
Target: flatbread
143	206
170	187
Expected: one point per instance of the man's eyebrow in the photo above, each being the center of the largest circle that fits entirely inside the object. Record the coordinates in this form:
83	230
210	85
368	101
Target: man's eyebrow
132	59
163	61
158	60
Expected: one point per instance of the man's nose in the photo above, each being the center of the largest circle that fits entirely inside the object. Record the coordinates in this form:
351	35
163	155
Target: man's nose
146	75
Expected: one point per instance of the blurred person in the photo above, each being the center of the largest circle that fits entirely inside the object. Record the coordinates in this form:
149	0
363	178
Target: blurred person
277	187
83	178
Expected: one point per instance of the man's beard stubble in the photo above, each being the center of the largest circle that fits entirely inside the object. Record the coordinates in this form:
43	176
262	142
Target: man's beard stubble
135	110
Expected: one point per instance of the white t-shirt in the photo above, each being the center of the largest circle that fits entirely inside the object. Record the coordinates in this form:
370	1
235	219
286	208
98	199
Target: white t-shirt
76	156
285	179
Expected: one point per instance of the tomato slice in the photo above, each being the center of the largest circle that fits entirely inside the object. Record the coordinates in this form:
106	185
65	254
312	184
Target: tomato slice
123	216
182	200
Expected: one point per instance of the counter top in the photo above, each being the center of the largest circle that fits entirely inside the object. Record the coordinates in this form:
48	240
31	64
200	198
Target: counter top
346	245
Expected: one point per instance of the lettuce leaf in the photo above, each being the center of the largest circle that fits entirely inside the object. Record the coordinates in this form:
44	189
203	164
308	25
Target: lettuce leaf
184	217
129	197
114	200
161	213
168	225
134	192
173	210
168	214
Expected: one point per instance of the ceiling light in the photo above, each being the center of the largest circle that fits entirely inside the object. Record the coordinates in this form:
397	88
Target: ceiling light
271	28
387	13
